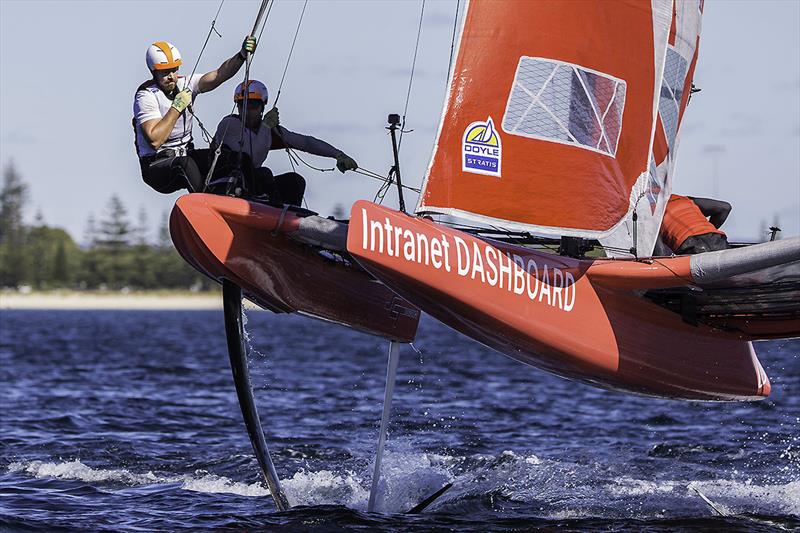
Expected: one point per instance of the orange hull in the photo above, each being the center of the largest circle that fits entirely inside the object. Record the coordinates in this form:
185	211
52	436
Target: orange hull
580	319
247	243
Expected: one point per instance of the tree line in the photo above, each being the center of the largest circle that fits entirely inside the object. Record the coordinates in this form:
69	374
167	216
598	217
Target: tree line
116	253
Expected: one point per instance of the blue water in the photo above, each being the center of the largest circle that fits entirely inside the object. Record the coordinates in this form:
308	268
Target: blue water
128	421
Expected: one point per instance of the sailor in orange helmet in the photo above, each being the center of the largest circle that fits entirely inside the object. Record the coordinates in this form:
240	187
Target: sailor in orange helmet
161	123
686	228
260	134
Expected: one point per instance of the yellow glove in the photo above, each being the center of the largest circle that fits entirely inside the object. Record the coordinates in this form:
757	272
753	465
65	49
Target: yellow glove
248	46
345	162
182	100
271	118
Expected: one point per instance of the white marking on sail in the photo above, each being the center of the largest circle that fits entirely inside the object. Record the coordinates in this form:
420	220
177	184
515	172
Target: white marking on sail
593	105
535	98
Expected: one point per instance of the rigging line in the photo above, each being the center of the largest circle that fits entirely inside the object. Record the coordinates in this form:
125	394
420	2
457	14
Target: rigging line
295	158
266	17
248	60
243	115
283	77
291	160
370	173
293	154
211	30
218	149
453	41
381	194
387	182
291	50
266	5
264	11
680	277
411	77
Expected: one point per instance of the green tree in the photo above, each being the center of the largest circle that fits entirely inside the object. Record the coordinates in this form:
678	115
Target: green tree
164	238
37	251
61	270
171	271
13	260
54	256
142	229
90	231
88	276
142	276
113	244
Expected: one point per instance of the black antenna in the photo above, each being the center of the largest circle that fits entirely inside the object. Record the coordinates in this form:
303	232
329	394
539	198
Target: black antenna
394	122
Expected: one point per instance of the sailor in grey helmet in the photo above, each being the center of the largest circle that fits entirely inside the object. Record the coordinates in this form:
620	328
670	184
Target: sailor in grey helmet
261	134
161	122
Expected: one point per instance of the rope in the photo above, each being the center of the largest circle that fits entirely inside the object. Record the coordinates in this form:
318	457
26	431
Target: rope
453	41
381	194
375	175
266	5
291	50
206	135
189	108
411	78
217	150
211	30
246	83
266	17
294	158
290	156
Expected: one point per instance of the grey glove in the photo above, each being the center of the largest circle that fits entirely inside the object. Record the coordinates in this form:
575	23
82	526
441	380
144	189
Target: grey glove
271	118
345	162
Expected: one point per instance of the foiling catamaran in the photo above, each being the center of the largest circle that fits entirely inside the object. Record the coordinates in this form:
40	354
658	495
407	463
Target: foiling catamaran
552	143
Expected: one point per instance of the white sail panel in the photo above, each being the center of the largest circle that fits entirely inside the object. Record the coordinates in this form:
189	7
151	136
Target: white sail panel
652	192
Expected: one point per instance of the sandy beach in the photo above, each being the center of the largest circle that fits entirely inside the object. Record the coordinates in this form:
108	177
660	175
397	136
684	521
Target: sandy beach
110	300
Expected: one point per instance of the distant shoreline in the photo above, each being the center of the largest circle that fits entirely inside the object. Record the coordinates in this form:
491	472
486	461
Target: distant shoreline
87	300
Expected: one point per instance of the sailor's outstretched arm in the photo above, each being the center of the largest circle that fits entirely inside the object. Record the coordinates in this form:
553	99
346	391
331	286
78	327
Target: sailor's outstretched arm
717	211
307	143
315	146
211	80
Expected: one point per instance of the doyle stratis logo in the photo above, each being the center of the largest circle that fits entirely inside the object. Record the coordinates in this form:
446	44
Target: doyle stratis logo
481	149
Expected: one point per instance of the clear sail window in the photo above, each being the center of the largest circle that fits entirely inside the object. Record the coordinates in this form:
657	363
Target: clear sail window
669	104
565	103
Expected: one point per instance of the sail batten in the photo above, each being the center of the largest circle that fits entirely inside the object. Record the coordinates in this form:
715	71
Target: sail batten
570	91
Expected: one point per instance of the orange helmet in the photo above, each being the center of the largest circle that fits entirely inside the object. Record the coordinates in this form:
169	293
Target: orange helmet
255	91
162	55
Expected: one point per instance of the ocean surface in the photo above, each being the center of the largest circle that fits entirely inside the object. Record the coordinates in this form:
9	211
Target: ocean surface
128	421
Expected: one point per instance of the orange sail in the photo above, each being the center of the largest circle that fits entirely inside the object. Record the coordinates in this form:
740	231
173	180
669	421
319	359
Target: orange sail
550	114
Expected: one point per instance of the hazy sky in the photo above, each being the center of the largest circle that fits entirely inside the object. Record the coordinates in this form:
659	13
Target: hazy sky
68	72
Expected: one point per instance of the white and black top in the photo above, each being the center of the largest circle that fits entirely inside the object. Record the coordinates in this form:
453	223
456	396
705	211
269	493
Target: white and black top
151	103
